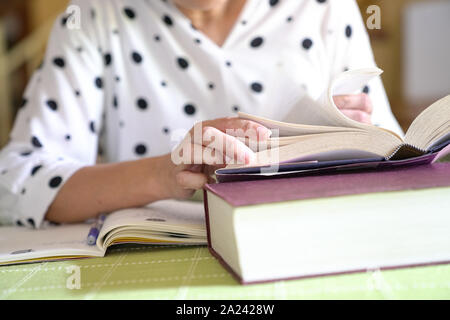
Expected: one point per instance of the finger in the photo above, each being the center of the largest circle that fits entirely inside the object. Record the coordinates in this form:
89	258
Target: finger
360	102
240	128
228	146
190	180
358	115
192	157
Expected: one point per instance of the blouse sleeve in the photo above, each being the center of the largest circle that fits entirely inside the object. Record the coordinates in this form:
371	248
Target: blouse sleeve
349	47
56	130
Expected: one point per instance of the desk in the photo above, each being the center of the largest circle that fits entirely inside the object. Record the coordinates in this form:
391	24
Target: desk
138	272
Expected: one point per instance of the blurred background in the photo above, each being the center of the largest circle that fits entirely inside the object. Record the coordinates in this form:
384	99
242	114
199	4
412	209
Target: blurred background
412	47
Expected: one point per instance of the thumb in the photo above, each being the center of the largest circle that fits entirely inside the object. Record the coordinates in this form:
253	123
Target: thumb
191	180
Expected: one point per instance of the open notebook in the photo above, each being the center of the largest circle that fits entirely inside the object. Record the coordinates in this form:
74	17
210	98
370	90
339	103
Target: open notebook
164	222
324	138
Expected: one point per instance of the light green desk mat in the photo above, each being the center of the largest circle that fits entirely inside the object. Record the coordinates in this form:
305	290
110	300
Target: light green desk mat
151	272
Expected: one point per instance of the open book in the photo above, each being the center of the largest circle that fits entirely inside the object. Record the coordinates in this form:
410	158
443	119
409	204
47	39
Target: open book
162	223
325	138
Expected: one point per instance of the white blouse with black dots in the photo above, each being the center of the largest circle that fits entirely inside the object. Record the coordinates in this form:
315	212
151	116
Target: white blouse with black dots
137	71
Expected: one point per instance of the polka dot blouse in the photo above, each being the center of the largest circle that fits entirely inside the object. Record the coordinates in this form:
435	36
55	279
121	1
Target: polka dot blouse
136	73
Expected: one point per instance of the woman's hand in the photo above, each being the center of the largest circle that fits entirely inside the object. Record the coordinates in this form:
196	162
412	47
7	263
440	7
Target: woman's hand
357	107
208	146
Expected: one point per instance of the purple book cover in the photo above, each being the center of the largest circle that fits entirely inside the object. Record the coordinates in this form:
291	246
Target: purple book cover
332	185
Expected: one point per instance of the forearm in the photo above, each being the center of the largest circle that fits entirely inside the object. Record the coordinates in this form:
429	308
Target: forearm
109	187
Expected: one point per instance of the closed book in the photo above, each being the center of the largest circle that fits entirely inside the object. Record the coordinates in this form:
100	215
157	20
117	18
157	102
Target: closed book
331	223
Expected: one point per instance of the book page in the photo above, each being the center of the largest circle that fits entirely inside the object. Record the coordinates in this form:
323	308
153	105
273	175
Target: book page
169	221
323	116
431	127
53	242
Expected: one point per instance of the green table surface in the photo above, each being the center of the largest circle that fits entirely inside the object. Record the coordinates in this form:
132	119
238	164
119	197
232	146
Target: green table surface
151	272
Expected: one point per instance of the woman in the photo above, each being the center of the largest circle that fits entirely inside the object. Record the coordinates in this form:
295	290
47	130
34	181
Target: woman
135	72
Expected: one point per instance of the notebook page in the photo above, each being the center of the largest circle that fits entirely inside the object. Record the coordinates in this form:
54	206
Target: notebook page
20	243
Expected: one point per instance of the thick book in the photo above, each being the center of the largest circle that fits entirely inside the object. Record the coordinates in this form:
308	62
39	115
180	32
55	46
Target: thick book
162	223
330	223
321	138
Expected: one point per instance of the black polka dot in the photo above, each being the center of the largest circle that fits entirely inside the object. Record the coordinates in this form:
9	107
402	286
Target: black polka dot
23	191
197	41
142	104
346	69
307	43
244	22
115	102
52	105
163	84
19	223
348	31
115	31
64	21
31	222
59	62
99	82
55	182
157	38
117	79
366	90
211	86
137	58
273	3
289	19
4	172
130	13
257	87
321	1
189	109
140	149
24	103
236	108
228	63
183	63
256	42
35	142
26	153
77	93
68	137
108	59
80	49
35	170
92	126
166	130
168	20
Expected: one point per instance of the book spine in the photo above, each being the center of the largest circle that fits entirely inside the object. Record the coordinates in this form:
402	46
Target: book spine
406	151
205	203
